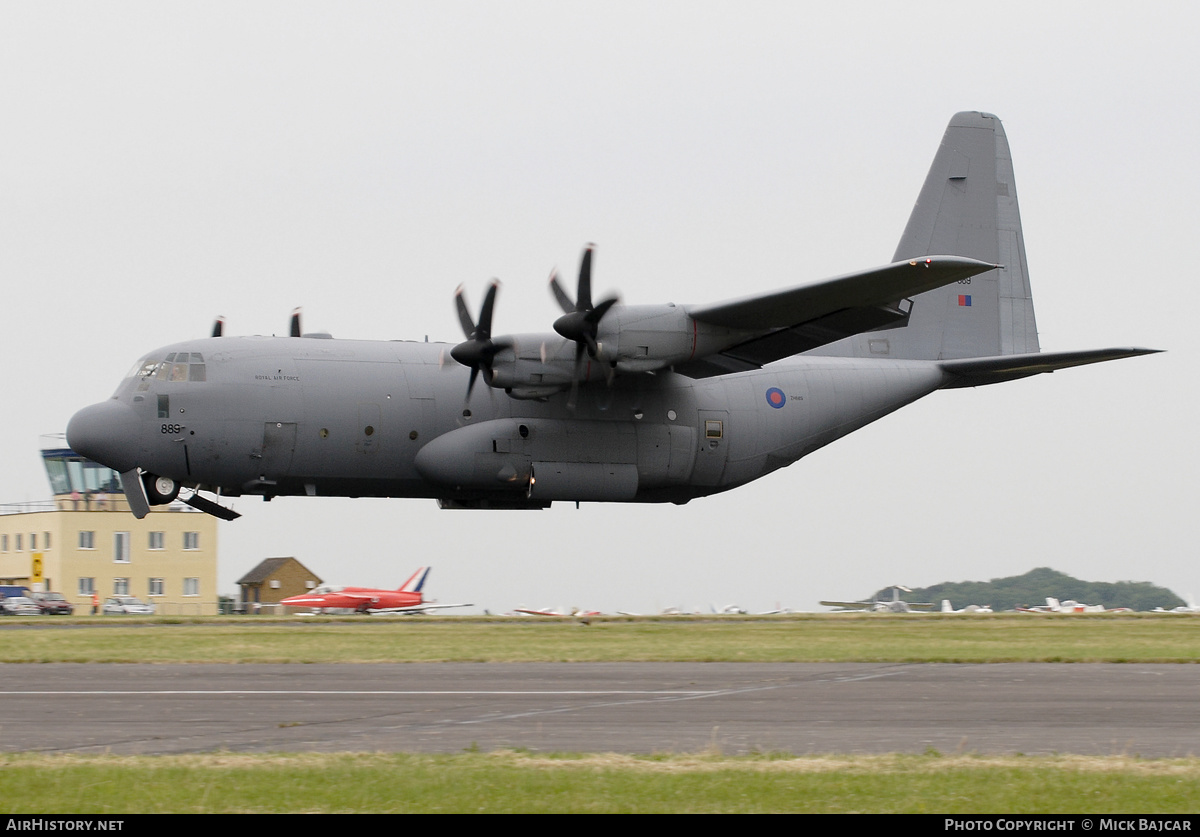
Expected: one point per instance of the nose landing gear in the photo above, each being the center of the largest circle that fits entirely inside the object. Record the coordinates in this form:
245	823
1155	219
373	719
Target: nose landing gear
160	490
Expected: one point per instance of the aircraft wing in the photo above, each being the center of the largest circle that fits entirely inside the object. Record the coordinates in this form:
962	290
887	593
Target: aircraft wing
798	319
421	608
849	605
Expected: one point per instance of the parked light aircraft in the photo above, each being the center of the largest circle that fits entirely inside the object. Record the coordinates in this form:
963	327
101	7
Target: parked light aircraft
946	608
883	606
408	598
1053	605
562	611
1190	607
620	403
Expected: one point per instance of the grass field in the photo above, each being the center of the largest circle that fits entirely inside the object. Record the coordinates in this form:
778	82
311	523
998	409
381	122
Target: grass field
520	782
812	638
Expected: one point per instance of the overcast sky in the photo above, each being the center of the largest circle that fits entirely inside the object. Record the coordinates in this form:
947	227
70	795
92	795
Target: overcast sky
163	163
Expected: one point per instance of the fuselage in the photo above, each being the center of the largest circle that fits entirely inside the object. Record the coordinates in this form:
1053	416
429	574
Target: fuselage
355	598
321	417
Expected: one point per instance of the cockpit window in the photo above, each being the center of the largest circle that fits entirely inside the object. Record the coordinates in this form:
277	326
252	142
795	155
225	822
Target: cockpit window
175	367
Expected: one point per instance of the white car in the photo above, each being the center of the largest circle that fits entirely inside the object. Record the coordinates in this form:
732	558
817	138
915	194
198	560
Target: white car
20	606
125	604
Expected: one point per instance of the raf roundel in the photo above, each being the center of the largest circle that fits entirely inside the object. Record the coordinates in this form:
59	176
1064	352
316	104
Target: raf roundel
776	398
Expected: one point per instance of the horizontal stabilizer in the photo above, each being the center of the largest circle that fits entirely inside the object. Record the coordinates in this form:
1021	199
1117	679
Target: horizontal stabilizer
885	285
979	371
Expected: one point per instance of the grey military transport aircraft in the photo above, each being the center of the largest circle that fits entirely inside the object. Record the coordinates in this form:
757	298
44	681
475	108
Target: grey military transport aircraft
620	403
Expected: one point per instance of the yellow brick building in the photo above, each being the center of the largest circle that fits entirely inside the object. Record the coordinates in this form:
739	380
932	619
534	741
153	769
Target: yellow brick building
86	540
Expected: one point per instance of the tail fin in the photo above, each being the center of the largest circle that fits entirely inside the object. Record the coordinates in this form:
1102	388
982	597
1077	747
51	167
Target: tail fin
416	581
968	207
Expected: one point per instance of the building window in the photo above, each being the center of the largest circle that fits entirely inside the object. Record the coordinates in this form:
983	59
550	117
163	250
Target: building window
156	587
191	540
19	543
120	587
3	543
33	541
156	540
87	540
87	586
121	547
191	587
46	538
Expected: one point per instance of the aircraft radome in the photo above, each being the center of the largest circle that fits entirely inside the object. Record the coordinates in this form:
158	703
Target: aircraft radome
620	403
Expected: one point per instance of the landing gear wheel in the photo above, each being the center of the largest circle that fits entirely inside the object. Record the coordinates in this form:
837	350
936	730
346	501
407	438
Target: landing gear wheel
160	490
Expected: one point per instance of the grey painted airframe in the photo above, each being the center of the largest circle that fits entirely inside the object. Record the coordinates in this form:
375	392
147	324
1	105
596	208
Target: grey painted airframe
621	403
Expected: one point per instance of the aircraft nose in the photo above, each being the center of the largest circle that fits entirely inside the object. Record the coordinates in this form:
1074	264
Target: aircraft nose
105	433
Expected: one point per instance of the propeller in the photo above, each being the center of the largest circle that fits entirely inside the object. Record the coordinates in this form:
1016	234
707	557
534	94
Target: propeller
295	330
479	349
580	321
218	327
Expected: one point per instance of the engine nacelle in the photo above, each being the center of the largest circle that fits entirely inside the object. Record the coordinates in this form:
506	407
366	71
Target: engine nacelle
635	338
646	338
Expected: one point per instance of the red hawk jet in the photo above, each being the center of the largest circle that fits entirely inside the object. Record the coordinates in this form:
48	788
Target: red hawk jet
409	598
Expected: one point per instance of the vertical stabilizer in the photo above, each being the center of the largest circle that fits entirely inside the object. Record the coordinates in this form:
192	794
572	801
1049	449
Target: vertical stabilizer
967	207
416	582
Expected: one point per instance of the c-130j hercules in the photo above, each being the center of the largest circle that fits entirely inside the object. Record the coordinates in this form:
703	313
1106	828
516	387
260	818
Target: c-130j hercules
621	403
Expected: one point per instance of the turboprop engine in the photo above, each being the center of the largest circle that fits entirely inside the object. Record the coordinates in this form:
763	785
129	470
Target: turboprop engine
592	341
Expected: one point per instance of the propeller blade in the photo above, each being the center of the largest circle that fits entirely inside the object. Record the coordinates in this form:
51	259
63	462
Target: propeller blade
295	329
564	302
610	374
583	297
218	327
479	350
484	327
464	316
600	310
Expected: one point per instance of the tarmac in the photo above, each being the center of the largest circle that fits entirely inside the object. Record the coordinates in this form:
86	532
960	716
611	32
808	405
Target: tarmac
1032	708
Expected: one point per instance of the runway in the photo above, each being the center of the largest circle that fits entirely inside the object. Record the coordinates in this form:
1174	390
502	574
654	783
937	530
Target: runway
1038	708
